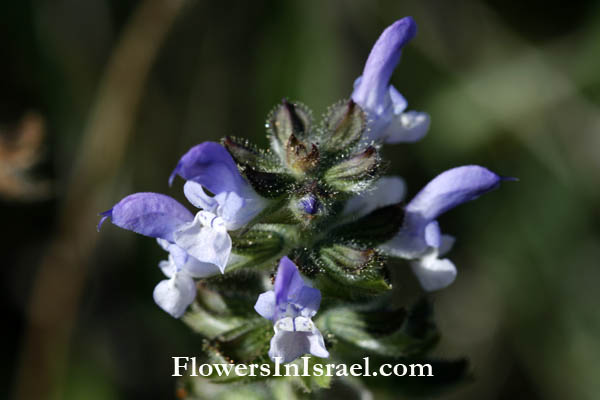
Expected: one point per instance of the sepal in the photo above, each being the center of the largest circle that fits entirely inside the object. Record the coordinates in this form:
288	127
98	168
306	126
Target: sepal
285	120
246	343
259	167
349	272
210	315
257	246
268	184
301	158
247	155
355	173
344	125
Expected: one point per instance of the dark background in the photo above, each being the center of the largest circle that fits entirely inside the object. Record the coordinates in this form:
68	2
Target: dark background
99	98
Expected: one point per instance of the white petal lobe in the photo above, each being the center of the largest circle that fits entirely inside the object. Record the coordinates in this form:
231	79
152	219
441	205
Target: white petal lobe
434	273
176	294
206	239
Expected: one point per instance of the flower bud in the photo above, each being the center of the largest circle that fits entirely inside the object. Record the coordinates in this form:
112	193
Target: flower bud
309	204
286	120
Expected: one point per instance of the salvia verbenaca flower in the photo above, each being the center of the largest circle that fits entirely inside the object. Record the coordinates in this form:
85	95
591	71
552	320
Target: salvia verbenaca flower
317	196
290	306
199	245
389	122
420	238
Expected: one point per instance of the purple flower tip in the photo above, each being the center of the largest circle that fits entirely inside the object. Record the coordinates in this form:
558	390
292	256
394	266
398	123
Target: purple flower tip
105	215
370	93
450	189
310	204
405	28
174	174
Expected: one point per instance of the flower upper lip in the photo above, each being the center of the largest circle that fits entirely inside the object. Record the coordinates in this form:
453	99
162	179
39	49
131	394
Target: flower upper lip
384	105
420	238
384	57
210	166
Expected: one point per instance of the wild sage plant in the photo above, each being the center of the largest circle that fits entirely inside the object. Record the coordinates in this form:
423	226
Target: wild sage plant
287	253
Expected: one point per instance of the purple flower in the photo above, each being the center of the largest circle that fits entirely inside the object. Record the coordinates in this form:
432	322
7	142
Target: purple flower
420	238
208	166
290	306
198	246
385	106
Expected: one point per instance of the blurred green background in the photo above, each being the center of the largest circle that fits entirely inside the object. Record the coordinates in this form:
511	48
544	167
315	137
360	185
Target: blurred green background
99	98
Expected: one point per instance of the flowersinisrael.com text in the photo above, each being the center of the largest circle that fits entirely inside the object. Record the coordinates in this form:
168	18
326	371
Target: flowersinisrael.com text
190	366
